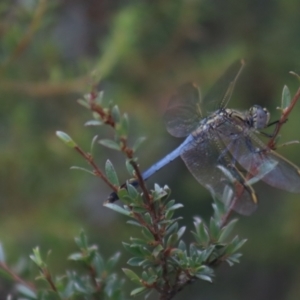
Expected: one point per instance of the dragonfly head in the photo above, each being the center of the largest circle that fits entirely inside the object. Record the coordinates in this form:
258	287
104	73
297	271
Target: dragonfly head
258	117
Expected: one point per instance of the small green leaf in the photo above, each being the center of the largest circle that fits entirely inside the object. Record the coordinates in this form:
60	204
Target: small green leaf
98	262
175	206
137	291
66	139
76	256
112	261
129	167
207	252
157	250
115	112
111	173
132	192
169	214
82	169
220	207
133	249
99	98
131	275
172	240
226	230
239	245
159	192
138	241
84	103
181	232
93	143
128	248
214	228
81	240
233	259
170	203
138	209
118	209
286	98
172	228
93	123
124	126
36	257
182	246
135	261
138	142
235	245
110	144
147	234
26	291
123	195
204	277
203	233
133	222
147	218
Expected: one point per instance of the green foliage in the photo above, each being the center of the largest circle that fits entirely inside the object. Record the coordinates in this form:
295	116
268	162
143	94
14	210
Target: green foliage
162	261
141	50
165	262
66	139
93	280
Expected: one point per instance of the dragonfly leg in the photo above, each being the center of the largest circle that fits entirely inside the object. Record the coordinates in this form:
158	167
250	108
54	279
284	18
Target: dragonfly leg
224	152
271	135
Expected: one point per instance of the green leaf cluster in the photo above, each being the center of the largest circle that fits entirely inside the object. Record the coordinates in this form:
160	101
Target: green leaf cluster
94	280
163	260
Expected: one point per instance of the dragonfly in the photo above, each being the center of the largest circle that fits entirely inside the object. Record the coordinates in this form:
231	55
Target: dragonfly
222	146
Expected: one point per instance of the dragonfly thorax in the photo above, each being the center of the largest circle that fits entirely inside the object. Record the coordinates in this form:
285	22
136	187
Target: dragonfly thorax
258	117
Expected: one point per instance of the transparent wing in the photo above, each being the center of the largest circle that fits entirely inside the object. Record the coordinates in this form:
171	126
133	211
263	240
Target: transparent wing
202	158
183	113
220	93
185	109
251	153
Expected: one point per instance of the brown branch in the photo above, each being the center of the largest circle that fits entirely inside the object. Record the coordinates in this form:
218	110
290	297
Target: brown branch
49	279
16	277
283	119
106	117
149	205
93	276
88	157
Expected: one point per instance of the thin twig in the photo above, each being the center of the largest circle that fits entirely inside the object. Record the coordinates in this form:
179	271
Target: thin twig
96	170
48	277
93	276
283	119
16	277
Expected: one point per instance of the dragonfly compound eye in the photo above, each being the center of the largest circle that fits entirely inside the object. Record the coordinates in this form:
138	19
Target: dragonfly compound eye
259	117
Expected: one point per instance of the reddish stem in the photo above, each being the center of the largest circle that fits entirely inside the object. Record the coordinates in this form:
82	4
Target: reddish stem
16	277
97	171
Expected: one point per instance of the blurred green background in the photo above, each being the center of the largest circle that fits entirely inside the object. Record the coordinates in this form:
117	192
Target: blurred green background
142	51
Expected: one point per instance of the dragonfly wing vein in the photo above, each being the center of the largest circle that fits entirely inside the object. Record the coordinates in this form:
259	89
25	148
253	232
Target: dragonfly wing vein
201	158
251	153
184	112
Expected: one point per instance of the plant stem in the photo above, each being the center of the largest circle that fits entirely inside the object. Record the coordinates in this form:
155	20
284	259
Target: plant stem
16	277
